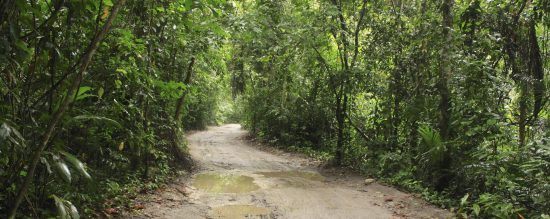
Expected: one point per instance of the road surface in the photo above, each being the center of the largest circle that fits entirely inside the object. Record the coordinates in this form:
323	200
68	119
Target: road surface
239	179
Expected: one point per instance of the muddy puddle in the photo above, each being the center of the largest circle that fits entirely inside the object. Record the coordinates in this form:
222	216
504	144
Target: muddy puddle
294	174
240	211
224	183
293	178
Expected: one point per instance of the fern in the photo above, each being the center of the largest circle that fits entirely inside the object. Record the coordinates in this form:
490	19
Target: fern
434	148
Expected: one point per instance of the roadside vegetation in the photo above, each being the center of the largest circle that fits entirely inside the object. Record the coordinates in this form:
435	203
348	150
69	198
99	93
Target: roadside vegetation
445	98
95	96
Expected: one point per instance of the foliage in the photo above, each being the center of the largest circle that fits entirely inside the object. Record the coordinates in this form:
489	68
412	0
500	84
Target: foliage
445	98
116	136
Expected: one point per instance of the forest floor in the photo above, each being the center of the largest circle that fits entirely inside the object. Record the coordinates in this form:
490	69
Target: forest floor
237	178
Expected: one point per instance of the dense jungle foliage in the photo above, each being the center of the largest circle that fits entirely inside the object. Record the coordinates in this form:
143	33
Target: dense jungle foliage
94	93
447	98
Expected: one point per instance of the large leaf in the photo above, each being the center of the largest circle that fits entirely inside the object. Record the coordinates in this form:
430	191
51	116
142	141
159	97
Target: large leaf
10	133
65	209
429	136
73	212
5	131
99	118
433	145
61	210
62	169
77	164
83	93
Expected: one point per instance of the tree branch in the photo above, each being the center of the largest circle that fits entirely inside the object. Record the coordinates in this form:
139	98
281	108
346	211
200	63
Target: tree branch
357	31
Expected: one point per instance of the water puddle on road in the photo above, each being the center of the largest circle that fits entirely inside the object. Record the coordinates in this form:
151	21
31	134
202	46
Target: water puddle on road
294	174
240	211
224	183
294	178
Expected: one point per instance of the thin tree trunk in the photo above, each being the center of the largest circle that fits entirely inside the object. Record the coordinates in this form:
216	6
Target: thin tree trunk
341	96
340	118
177	134
537	70
445	70
83	62
181	100
522	120
444	93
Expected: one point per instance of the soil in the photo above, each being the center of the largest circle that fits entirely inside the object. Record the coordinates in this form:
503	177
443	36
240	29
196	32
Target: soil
238	179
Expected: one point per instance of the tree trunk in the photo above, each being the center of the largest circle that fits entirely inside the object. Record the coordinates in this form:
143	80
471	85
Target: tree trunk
341	103
537	70
177	133
444	93
522	120
445	70
181	100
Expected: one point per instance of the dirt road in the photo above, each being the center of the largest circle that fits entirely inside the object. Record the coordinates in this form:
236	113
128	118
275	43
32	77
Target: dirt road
238	180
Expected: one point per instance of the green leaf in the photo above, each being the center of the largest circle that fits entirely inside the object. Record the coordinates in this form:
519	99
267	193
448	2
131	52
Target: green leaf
100	92
464	199
476	209
99	118
122	71
83	93
62	169
77	164
8	132
17	134
108	3
118	83
61	210
65	209
83	90
73	212
4	131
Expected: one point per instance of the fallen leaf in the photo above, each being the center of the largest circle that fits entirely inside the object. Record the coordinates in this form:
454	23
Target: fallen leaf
138	206
111	211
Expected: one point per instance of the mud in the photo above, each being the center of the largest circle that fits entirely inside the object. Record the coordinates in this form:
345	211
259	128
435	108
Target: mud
294	175
236	179
224	183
